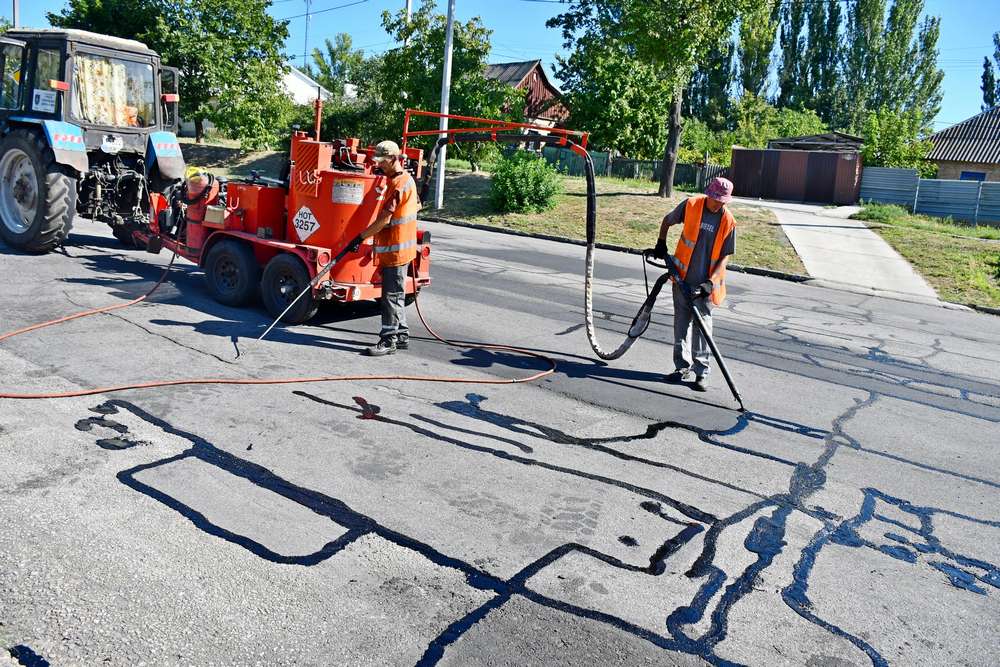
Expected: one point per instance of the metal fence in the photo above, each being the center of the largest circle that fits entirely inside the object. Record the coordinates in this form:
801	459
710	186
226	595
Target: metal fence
889	186
969	201
571	164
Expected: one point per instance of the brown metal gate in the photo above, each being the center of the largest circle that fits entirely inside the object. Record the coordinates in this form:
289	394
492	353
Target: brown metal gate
809	176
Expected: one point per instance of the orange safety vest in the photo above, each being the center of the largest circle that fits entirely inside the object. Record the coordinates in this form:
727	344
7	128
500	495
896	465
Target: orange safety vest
396	243
689	238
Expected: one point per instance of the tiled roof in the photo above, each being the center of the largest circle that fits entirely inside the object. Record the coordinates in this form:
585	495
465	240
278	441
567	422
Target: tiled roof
974	140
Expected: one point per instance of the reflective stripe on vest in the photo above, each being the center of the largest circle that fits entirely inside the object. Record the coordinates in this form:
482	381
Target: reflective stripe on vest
382	249
395	244
689	239
403	220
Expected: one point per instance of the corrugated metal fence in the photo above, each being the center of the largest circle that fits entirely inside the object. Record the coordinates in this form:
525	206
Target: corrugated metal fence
970	201
571	164
889	186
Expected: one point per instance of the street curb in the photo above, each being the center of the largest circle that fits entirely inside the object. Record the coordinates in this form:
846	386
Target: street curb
754	270
982	309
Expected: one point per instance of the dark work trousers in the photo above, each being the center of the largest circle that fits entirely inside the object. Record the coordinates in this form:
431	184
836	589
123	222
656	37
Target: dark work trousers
688	339
394	302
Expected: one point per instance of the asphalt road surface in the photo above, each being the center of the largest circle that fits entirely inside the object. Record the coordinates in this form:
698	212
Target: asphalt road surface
598	517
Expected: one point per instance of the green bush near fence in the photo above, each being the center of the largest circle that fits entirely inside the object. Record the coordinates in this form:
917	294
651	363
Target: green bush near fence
524	183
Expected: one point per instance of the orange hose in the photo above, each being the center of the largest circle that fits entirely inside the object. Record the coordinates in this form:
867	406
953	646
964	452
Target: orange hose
272	381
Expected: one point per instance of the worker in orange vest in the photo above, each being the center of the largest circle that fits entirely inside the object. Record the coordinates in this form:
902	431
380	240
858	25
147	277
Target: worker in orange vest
395	232
707	240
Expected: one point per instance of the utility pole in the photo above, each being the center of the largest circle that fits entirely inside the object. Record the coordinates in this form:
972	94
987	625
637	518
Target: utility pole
17	13
305	44
445	93
409	15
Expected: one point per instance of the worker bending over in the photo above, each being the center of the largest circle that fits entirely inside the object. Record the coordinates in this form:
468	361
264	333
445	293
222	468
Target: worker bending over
395	232
707	240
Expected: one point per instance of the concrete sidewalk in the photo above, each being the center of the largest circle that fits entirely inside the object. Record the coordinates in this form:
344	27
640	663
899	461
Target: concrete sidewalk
835	248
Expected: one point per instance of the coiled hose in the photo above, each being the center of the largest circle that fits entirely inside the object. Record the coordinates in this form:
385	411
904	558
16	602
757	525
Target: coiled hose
641	321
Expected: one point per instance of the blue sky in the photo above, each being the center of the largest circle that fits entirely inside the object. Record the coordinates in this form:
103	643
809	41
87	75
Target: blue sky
520	34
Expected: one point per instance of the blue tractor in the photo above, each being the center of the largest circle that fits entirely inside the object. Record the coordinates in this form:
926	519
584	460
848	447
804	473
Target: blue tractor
88	127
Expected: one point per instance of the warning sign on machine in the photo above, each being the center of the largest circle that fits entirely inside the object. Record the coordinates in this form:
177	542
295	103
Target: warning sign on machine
305	223
348	192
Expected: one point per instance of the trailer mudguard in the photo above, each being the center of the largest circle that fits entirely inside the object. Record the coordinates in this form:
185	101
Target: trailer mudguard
65	139
164	152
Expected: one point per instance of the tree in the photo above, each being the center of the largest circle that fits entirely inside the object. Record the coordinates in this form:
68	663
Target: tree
620	99
895	139
886	64
823	56
793	91
991	87
708	97
229	53
410	76
340	64
758	27
671	36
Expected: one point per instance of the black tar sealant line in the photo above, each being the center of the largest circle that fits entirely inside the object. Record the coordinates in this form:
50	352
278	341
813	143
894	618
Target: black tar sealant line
766	539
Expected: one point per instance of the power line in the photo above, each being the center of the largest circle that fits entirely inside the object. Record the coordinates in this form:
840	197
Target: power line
322	11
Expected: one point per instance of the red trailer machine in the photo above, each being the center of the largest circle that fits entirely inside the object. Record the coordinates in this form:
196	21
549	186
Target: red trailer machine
274	237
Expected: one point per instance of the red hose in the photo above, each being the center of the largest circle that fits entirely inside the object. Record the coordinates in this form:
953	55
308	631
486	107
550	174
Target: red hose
272	381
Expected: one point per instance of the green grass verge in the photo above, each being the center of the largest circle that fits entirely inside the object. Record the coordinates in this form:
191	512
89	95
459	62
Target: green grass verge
961	262
628	214
897	216
963	270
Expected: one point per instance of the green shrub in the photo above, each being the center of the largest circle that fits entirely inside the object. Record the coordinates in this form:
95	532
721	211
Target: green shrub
524	183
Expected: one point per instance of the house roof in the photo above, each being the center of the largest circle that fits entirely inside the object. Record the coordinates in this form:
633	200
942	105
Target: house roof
515	73
974	140
308	80
827	141
511	73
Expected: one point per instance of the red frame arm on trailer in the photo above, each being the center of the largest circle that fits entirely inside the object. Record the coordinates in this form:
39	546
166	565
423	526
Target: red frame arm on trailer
486	125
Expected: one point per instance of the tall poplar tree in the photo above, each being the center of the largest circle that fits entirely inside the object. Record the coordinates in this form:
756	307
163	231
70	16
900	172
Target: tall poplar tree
792	69
823	57
863	44
889	63
708	95
989	86
758	27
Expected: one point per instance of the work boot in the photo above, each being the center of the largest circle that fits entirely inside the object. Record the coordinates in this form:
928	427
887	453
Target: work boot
403	342
383	347
699	384
677	376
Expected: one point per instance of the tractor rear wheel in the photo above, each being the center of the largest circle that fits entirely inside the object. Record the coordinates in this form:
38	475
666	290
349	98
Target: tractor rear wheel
37	197
232	273
285	276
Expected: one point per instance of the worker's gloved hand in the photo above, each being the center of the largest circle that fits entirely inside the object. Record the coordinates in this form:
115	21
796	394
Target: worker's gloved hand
355	244
705	288
660	251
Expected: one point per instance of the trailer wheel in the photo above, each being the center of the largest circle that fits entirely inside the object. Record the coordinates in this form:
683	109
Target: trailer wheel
37	198
232	273
285	276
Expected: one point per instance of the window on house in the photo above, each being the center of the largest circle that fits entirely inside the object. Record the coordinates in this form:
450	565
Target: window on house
972	176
